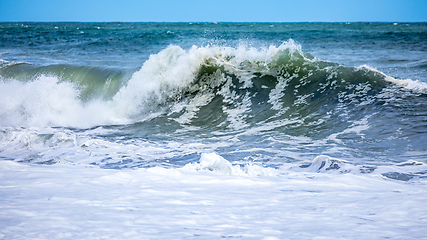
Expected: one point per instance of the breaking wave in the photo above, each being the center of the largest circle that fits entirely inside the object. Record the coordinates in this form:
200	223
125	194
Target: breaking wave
218	87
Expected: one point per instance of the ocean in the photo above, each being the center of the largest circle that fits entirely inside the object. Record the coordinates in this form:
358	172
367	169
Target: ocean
213	130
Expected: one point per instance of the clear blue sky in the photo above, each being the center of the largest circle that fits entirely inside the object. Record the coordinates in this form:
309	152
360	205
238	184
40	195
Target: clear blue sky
214	10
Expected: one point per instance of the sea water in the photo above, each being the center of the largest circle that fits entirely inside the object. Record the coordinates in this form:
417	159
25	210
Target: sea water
213	130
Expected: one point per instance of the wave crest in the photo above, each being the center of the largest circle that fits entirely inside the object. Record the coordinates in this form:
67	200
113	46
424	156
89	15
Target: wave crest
223	86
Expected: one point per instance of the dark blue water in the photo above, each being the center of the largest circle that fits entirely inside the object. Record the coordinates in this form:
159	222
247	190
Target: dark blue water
398	48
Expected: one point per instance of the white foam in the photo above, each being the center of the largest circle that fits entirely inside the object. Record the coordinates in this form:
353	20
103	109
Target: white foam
212	162
410	84
47	101
358	127
160	78
79	202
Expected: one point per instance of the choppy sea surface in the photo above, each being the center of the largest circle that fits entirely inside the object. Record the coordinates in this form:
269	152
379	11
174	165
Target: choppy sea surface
213	130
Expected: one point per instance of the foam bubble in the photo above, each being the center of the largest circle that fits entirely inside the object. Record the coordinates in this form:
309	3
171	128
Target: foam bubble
325	163
212	162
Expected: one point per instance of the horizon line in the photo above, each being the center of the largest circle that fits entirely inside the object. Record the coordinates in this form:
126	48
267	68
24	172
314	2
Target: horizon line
213	22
